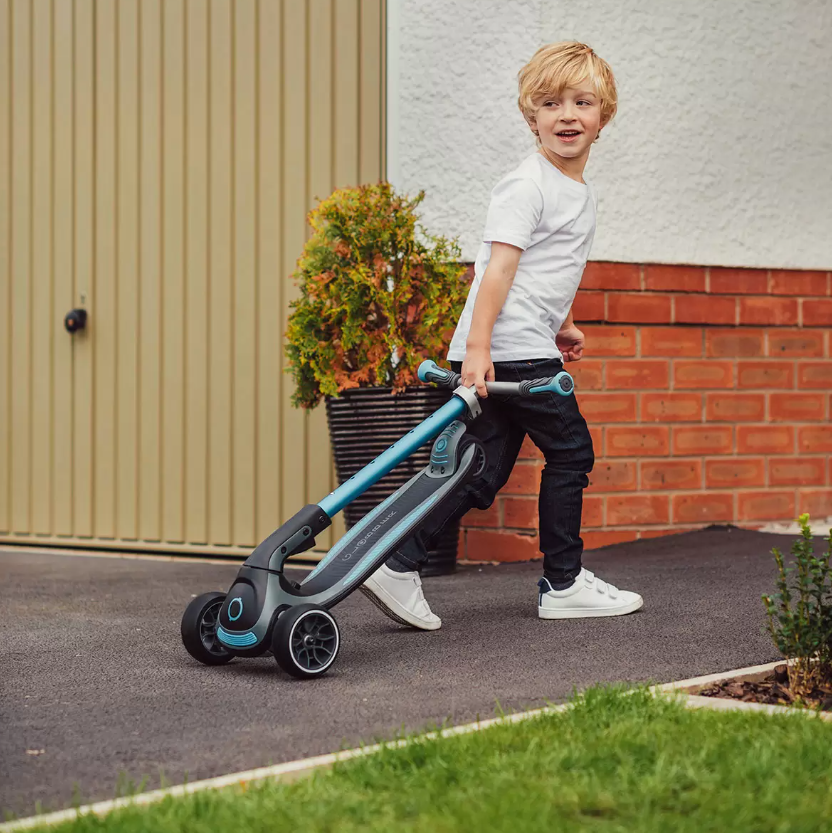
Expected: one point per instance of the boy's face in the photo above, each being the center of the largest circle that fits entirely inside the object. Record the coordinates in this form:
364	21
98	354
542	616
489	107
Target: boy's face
568	123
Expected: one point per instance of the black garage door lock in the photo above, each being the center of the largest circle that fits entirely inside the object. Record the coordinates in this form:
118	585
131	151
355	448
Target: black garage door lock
75	319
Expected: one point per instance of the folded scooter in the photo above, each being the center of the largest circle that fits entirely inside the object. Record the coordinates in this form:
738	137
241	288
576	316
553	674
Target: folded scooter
264	610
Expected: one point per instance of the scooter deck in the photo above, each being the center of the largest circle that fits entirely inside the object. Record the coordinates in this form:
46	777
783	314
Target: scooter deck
371	542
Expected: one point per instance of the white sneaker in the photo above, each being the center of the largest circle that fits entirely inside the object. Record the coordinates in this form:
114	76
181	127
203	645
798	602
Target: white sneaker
400	596
588	596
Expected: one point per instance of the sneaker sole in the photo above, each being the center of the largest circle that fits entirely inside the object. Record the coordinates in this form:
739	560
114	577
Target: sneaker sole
388	611
587	612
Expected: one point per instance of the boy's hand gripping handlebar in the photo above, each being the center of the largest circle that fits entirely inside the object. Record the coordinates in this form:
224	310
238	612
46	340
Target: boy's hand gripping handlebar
561	384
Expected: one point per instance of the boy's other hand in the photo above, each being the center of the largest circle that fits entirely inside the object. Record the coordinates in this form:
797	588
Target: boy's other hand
570	342
477	369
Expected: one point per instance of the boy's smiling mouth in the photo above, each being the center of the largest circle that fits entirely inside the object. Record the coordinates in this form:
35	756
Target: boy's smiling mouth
568	135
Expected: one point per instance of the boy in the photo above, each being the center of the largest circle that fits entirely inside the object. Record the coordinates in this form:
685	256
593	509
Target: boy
517	324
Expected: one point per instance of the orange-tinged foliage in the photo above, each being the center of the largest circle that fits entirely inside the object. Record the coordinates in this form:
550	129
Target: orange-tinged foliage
378	295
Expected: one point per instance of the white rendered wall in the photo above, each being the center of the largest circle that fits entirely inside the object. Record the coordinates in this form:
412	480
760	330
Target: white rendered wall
721	152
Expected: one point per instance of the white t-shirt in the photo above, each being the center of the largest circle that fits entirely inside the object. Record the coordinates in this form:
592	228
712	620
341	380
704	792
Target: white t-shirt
552	218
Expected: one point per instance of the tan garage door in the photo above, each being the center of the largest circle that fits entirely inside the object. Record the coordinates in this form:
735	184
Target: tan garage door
157	159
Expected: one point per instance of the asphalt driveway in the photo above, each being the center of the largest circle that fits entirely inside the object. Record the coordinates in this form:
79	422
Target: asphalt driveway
95	685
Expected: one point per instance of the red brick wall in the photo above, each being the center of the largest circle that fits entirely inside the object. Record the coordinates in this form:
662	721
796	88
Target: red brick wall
708	392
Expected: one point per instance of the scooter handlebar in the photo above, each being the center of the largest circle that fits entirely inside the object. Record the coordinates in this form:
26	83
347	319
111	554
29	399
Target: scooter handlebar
561	384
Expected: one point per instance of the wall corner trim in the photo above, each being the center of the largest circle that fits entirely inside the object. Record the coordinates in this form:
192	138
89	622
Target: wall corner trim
393	31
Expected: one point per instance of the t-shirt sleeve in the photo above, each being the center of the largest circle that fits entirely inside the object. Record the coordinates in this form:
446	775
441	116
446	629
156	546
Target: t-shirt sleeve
514	212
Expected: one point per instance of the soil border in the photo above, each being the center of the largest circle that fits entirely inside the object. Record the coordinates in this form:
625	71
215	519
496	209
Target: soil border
690	689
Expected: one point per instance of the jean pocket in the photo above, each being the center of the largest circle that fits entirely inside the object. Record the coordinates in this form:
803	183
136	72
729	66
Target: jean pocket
527	363
540	368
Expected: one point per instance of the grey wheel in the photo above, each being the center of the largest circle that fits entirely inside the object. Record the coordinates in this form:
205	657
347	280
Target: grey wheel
305	641
199	629
480	460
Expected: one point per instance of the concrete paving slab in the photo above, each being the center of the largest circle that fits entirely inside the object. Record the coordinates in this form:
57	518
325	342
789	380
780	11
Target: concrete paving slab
95	676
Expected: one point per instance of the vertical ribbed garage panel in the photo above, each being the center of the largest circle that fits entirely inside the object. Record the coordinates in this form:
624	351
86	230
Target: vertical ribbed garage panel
41	264
151	360
294	78
83	264
19	420
63	292
127	272
5	263
173	322
270	246
196	272
103	297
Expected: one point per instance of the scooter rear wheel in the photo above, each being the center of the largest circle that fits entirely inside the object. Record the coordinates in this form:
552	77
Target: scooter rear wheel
305	641
199	629
481	459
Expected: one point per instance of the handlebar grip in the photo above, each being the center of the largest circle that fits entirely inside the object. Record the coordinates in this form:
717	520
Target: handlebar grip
562	384
429	371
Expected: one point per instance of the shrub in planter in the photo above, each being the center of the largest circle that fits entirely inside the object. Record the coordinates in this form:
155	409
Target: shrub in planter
800	613
378	295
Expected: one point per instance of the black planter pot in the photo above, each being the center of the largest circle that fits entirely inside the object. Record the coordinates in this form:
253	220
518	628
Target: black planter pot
363	422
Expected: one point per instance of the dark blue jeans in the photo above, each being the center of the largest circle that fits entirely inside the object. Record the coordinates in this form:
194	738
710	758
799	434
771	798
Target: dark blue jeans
557	428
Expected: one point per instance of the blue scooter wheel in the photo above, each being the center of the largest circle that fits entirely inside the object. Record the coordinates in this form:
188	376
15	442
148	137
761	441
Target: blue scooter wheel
199	629
305	641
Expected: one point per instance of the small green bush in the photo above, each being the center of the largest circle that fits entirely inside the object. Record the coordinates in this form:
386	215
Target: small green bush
378	295
802	631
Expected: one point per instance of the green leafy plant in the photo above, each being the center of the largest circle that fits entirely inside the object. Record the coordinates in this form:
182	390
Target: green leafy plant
800	613
378	295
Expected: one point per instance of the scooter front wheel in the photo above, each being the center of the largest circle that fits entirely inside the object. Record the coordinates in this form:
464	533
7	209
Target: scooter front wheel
305	641
199	629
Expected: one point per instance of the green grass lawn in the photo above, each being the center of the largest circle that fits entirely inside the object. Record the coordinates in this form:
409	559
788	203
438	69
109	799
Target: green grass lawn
615	762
